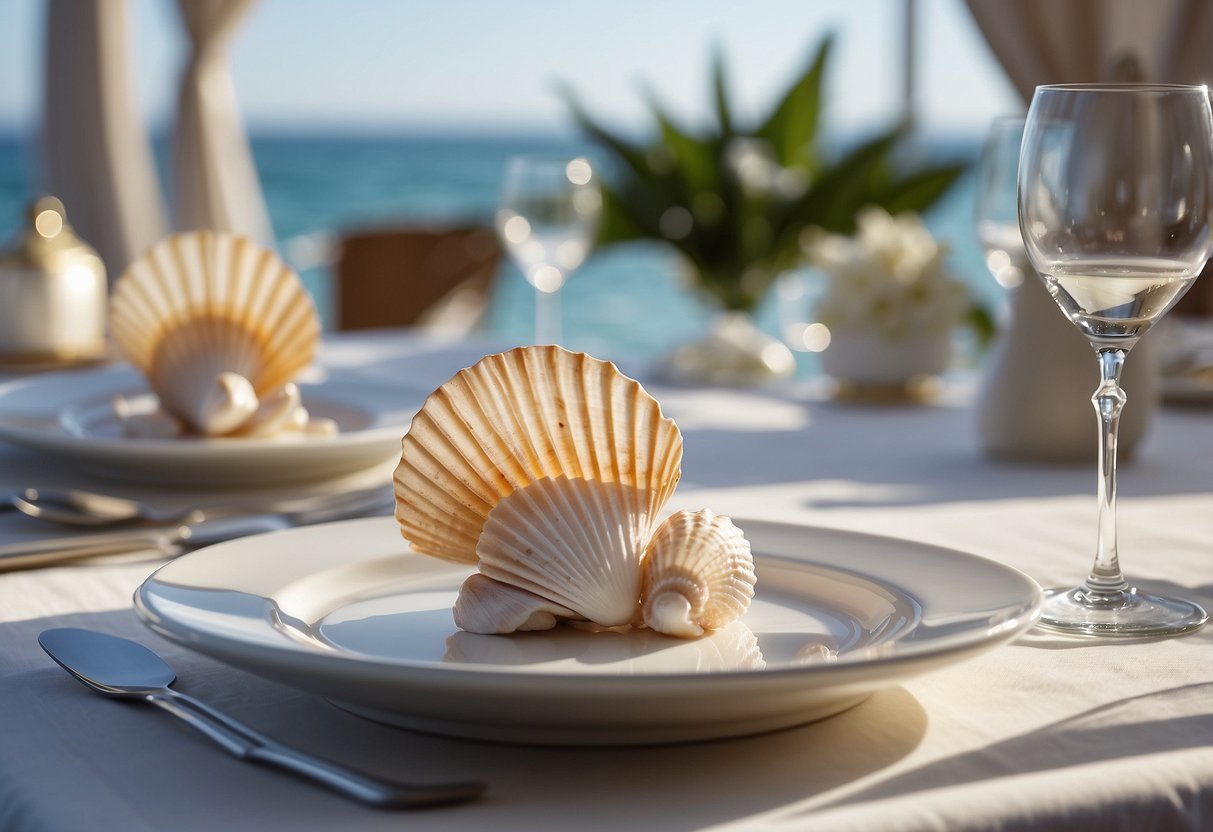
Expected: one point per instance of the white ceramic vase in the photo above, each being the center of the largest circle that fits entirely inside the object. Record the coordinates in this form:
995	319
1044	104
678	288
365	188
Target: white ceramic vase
871	364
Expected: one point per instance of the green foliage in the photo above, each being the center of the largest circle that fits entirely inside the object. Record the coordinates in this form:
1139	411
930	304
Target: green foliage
735	201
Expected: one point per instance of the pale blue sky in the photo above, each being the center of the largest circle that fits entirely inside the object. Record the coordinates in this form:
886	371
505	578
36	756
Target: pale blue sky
425	64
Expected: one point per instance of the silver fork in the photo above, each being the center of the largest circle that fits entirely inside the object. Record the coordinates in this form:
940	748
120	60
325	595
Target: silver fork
74	507
171	539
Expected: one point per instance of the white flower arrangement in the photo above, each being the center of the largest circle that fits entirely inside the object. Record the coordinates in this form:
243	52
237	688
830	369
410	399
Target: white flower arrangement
889	278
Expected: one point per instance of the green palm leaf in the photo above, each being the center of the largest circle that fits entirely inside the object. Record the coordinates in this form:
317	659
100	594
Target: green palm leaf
792	128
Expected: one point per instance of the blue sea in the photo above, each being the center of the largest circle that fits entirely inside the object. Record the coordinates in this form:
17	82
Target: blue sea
625	302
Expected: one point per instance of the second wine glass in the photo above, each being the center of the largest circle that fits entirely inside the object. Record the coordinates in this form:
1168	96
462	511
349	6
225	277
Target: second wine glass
547	219
996	212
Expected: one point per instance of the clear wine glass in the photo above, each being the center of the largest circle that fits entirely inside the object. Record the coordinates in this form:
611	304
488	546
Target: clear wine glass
995	209
547	218
1115	201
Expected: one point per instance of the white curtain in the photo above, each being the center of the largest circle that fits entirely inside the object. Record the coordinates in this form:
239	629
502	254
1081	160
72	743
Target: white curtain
215	181
96	154
1068	41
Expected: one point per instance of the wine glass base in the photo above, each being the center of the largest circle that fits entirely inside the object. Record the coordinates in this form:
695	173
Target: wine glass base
1130	614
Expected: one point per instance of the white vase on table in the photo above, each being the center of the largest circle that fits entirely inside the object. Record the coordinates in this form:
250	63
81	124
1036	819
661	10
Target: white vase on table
875	365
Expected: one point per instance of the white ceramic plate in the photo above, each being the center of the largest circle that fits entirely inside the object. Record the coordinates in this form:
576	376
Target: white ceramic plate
66	414
345	611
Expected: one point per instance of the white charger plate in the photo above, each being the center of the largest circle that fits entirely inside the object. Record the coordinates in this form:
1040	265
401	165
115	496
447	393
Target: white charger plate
66	414
346	611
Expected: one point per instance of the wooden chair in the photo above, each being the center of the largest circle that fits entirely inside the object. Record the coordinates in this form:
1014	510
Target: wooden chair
437	278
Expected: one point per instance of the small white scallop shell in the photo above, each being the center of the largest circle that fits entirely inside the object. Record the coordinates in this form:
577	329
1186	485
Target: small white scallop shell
214	322
577	543
518	417
698	574
489	607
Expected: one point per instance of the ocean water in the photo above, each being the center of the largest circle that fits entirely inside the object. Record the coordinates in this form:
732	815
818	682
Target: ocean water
627	301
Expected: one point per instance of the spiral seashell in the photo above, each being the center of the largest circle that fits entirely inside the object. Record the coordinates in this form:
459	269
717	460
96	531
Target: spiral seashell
512	419
215	323
698	574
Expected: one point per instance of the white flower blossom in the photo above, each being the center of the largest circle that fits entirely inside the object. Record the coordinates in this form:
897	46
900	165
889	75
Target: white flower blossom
890	277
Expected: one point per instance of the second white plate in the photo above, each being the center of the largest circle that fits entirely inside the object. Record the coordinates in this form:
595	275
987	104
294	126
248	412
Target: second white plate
345	611
63	414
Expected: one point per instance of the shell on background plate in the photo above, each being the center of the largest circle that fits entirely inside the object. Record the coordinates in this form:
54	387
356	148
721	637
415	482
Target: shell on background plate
698	574
517	417
217	325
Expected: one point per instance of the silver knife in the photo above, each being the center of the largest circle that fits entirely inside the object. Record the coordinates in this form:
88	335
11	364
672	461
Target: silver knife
167	541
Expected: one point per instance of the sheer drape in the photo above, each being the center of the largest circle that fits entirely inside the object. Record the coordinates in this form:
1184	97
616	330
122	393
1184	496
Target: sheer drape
1063	41
1073	41
215	181
96	153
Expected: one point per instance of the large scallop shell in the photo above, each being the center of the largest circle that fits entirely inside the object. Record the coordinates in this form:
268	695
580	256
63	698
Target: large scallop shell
215	323
698	574
522	416
577	543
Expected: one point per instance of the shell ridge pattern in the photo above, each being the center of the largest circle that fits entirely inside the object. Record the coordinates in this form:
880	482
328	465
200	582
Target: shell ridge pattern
575	433
144	296
470	476
482	466
601	540
196	289
468	397
490	389
532	569
221	261
259	289
550	411
600	394
192	253
421	474
579	569
534	410
240	283
530	436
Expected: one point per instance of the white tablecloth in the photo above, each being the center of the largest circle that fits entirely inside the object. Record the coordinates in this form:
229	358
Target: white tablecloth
1045	733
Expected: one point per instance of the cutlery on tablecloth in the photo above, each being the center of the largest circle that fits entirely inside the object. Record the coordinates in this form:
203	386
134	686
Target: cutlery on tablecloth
73	507
122	668
173	539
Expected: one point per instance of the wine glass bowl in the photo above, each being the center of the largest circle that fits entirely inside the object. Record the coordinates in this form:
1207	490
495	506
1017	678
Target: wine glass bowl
1115	198
547	219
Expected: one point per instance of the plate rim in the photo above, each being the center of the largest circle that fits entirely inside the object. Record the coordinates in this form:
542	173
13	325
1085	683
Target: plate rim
953	645
56	439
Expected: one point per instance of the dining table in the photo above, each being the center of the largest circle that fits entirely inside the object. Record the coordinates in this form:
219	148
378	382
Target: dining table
1045	732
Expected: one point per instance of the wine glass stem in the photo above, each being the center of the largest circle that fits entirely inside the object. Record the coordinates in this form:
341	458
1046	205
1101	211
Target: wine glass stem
547	317
1106	583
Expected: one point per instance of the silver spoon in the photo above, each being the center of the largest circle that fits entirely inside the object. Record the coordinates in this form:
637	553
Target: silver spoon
73	507
125	669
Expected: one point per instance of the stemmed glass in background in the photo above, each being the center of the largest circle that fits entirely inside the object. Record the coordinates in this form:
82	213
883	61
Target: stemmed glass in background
1115	201
996	213
547	218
